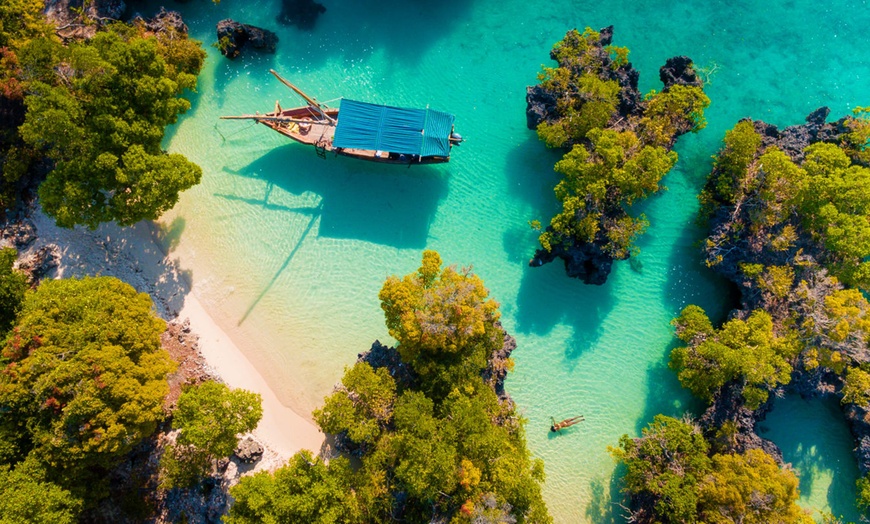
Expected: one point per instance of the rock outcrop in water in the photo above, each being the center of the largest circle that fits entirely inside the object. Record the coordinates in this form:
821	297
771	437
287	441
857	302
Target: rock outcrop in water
300	13
234	36
593	90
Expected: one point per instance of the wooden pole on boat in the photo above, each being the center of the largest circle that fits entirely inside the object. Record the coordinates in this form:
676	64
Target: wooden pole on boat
311	101
268	118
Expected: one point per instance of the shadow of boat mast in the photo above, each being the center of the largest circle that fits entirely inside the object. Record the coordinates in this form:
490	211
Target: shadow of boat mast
315	212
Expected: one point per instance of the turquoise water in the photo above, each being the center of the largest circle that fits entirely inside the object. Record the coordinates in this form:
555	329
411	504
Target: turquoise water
289	251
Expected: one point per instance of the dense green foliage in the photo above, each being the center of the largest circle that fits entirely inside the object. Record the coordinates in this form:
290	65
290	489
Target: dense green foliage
84	375
364	414
668	462
304	490
102	122
750	488
13	285
442	446
210	416
25	498
614	159
670	468
20	21
615	168
825	198
863	488
747	351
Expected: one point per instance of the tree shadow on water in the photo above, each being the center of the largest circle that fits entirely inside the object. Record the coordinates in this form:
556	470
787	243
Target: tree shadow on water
548	297
664	394
382	204
530	175
822	446
604	496
690	281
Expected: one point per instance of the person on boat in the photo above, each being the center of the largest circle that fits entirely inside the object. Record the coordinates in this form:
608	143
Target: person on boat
567	423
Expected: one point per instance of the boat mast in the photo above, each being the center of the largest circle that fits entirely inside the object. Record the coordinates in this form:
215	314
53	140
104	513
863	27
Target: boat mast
268	118
311	101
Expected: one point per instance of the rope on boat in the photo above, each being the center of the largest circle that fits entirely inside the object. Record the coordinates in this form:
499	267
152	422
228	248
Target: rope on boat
224	137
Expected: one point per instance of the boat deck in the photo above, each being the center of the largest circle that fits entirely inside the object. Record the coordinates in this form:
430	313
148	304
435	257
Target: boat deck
318	132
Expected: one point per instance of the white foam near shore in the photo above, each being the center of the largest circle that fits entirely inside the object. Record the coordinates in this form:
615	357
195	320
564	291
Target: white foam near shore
133	254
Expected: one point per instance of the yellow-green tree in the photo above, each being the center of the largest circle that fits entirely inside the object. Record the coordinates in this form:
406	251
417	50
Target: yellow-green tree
444	321
747	351
750	488
437	445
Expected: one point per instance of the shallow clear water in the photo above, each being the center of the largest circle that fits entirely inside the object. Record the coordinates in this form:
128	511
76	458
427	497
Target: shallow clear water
289	251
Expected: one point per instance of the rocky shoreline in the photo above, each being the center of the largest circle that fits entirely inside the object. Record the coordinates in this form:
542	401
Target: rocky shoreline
807	381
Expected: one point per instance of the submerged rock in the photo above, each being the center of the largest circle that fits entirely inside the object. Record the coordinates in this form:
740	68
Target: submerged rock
301	13
234	36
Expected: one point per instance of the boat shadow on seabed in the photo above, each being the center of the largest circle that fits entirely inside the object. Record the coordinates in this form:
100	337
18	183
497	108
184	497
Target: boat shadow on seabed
387	205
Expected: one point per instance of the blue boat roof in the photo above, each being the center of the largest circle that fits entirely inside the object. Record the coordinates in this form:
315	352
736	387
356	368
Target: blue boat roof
423	132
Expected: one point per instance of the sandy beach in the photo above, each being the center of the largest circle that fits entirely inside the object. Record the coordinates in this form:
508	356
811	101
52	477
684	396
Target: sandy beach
134	255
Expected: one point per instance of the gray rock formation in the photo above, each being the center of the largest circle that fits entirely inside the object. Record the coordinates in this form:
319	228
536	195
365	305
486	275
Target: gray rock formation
71	25
249	450
19	234
234	36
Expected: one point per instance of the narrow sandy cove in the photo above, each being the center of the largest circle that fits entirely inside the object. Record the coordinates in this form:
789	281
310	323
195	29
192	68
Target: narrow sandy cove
134	255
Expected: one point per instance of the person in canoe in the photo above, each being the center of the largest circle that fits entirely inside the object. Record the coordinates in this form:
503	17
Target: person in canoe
567	423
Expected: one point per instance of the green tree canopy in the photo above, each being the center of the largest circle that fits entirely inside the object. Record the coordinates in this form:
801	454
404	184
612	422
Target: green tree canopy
744	350
85	375
616	170
362	407
616	156
440	445
101	120
27	498
667	463
303	490
210	417
673	480
13	285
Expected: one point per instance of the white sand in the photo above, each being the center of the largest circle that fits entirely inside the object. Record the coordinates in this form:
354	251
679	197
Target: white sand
134	256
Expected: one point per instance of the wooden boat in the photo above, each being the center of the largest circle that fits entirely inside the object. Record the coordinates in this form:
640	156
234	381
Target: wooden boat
373	132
